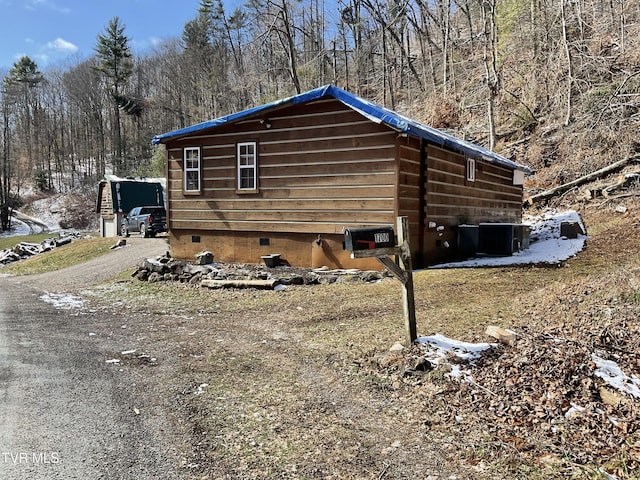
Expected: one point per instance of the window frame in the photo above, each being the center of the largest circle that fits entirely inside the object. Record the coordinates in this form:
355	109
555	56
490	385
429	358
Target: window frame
471	170
240	168
187	169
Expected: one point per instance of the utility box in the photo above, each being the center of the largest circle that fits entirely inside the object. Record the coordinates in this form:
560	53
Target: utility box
503	239
369	238
468	239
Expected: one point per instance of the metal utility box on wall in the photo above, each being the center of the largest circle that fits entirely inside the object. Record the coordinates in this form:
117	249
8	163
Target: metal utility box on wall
502	238
369	238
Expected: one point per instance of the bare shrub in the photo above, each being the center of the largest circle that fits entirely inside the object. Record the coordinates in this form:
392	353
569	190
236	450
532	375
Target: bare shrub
441	112
78	212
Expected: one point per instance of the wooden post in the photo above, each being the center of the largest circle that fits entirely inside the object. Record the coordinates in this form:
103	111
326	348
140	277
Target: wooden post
403	272
408	299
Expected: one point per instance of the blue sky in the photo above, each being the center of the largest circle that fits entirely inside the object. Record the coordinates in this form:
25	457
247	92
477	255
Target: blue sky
56	32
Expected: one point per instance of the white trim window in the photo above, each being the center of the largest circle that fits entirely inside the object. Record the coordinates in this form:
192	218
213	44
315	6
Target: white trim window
471	169
192	169
247	166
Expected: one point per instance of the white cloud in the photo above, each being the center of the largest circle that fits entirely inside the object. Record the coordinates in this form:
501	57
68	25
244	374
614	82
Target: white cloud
62	45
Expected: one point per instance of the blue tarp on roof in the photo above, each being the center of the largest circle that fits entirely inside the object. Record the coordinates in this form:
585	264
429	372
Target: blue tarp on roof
373	112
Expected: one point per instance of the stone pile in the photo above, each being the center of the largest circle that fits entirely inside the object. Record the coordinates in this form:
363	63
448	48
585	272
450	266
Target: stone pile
167	269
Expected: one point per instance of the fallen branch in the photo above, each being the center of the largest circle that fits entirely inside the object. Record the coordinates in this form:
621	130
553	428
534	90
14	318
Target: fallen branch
618	197
261	284
603	172
623	182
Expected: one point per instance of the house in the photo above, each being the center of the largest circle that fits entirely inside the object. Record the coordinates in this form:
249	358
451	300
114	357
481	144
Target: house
117	196
288	177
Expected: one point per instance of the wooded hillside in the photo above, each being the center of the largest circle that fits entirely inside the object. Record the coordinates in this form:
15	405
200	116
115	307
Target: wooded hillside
554	84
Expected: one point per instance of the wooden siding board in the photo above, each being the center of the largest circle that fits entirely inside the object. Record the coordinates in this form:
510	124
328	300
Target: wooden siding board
452	199
328	180
385	192
275	227
476	212
328	156
412	168
293	216
319	169
341	169
469	191
320	204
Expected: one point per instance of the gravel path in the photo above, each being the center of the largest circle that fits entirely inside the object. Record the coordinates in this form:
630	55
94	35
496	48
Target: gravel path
99	269
66	411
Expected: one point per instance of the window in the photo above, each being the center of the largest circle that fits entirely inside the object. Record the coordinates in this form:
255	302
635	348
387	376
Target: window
192	169
247	166
471	170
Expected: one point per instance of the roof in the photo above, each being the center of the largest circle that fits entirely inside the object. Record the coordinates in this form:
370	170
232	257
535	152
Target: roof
370	110
115	178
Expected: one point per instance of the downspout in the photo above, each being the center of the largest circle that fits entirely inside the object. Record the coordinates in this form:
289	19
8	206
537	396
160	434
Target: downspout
422	204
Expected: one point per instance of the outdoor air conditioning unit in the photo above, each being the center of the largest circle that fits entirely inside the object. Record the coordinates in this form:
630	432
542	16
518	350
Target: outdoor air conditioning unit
468	239
503	239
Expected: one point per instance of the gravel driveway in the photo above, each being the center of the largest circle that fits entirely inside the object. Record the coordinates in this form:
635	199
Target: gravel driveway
66	411
99	269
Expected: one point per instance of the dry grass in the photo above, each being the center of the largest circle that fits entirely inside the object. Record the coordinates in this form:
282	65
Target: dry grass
301	383
71	254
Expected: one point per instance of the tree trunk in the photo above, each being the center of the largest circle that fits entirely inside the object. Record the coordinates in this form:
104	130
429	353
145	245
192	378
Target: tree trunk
490	55
567	52
290	47
603	172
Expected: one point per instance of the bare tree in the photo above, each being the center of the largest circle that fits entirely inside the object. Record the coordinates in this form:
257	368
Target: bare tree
569	58
6	170
492	76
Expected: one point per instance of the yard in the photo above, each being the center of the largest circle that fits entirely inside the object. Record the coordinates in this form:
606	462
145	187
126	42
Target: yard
301	383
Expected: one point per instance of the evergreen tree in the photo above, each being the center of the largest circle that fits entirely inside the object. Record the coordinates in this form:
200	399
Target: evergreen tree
116	65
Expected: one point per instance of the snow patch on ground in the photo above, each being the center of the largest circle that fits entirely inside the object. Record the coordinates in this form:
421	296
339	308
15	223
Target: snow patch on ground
48	211
547	246
613	375
17	228
63	301
439	349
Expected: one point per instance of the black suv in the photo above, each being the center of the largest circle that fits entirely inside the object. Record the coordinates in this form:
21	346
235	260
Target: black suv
149	221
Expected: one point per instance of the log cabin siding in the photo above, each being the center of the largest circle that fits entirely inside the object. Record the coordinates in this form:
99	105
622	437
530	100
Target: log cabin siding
320	170
323	166
452	199
410	190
